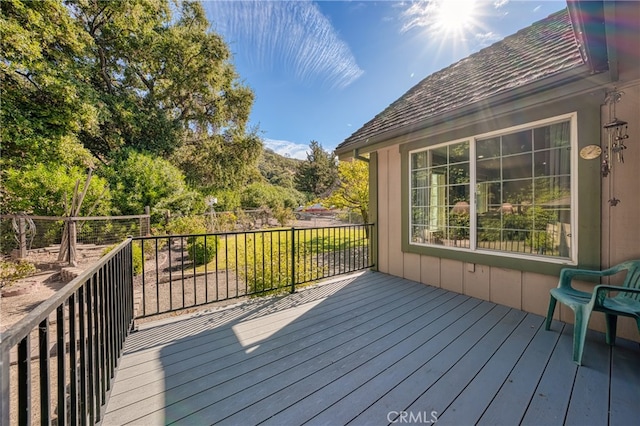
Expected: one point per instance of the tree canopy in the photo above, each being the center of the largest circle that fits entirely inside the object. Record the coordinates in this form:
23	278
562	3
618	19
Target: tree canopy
318	173
143	94
86	83
353	188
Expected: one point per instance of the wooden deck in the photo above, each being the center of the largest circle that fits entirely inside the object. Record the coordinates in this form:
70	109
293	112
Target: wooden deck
367	350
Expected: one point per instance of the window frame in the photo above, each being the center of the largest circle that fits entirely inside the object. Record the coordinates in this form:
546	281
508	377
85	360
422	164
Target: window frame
572	119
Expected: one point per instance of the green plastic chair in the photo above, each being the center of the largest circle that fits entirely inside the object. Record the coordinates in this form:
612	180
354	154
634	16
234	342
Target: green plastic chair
626	302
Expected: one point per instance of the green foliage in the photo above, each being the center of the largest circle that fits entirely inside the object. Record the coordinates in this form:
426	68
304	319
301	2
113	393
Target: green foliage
278	170
353	189
45	189
10	272
219	162
260	194
283	215
140	180
225	221
87	82
45	97
187	225
330	240
168	87
459	223
136	253
228	200
318	174
268	268
202	250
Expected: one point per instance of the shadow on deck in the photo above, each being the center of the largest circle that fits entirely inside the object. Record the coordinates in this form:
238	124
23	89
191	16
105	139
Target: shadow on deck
371	349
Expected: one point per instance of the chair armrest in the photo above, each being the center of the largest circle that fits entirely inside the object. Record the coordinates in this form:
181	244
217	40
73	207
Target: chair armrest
567	274
601	292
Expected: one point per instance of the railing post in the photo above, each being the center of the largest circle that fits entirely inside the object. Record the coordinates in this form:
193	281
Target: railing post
129	281
22	238
4	387
147	212
293	260
72	242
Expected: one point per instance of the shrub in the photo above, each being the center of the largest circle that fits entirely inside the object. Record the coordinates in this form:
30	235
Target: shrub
136	251
226	221
202	250
283	215
268	268
45	189
140	179
10	272
187	225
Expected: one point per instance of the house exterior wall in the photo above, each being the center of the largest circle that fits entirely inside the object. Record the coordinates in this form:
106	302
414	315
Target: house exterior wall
526	288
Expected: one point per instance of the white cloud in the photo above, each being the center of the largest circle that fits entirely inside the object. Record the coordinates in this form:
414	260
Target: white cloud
499	3
287	148
293	36
537	8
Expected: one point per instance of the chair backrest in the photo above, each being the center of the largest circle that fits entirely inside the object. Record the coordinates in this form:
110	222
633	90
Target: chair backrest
632	280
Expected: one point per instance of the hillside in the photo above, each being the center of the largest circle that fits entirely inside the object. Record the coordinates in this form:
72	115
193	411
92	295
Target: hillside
278	170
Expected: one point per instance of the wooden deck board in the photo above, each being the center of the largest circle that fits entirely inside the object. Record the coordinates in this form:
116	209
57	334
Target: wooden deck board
625	384
363	350
510	403
469	405
551	398
298	381
589	403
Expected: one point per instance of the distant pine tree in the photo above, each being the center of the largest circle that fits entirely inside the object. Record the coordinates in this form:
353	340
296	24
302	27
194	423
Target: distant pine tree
318	173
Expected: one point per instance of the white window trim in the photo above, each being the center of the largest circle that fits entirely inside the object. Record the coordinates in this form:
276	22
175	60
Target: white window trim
573	145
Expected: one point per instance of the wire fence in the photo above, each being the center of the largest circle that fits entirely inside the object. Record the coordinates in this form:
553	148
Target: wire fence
21	233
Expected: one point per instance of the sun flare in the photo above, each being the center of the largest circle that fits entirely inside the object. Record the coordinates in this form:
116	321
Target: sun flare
453	16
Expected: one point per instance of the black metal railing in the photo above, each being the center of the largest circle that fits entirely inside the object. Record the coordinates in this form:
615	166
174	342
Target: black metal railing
185	271
57	363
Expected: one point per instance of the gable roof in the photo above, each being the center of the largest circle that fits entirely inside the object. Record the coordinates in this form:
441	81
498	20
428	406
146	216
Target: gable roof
545	48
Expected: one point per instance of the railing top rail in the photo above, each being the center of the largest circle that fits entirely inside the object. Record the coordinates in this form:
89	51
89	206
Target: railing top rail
22	328
75	218
255	231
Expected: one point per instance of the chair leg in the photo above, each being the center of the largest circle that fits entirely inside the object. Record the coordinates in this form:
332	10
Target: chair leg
552	308
580	333
612	323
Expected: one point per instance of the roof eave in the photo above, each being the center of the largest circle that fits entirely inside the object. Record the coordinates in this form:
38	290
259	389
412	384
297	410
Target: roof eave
589	27
561	79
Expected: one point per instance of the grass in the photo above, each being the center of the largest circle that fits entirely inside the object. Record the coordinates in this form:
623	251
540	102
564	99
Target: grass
263	258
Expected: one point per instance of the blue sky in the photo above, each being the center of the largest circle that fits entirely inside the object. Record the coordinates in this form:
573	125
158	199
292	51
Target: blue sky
322	69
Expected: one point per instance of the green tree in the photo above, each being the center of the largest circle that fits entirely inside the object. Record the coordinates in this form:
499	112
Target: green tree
318	173
278	170
353	189
140	180
167	86
45	100
260	194
46	189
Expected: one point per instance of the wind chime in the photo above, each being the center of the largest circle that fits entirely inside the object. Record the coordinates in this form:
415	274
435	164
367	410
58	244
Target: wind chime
616	133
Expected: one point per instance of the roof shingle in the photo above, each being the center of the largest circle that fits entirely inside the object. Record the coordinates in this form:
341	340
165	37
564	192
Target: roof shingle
541	50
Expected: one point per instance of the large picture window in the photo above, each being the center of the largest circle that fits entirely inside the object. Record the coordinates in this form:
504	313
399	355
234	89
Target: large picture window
507	192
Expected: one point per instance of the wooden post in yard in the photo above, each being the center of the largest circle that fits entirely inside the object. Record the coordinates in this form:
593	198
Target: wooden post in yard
22	238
